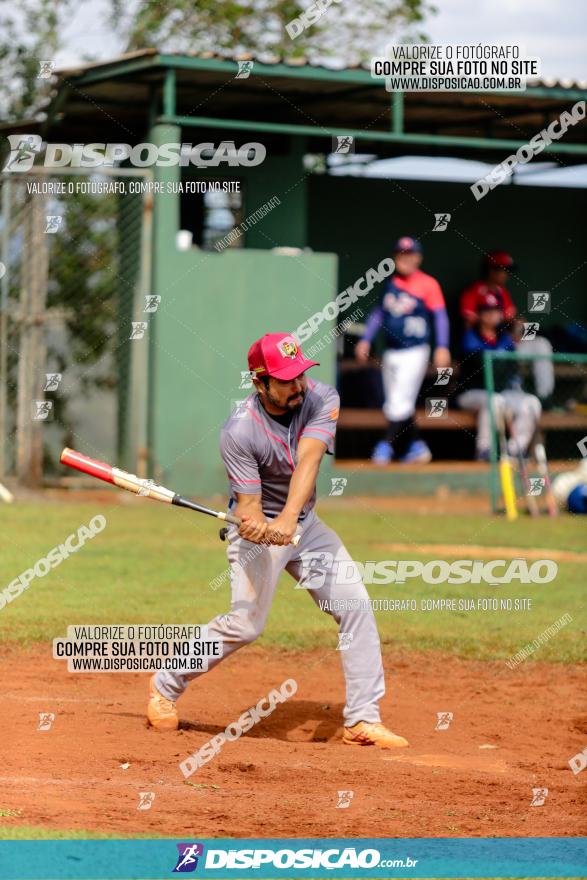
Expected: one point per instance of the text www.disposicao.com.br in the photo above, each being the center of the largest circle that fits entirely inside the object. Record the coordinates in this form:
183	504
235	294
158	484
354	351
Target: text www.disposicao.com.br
134	664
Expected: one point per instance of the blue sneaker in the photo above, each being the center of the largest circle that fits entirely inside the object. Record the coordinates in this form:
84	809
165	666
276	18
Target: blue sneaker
383	452
418	453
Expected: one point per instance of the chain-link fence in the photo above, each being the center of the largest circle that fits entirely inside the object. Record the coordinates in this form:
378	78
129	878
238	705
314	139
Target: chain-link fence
534	398
75	265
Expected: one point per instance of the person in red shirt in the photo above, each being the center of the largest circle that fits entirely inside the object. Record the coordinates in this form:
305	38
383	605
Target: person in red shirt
509	399
495	269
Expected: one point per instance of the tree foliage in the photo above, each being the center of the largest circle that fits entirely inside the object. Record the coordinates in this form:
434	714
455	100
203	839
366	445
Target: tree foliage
349	32
30	35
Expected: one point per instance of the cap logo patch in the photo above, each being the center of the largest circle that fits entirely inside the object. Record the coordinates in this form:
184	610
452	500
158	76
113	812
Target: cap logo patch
288	348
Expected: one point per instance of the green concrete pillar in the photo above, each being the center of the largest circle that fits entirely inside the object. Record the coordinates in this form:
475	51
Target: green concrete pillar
165	205
166	215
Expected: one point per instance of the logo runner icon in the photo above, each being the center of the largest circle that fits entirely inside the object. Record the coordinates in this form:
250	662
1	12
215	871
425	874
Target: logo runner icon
187	860
444	719
441	222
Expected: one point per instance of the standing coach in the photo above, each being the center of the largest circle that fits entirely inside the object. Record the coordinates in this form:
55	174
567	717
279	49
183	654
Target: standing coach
412	301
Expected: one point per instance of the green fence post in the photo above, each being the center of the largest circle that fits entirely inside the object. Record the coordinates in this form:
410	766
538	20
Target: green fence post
490	389
397	112
169	93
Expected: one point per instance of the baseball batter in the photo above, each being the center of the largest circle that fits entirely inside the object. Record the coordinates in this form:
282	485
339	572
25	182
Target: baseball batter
272	448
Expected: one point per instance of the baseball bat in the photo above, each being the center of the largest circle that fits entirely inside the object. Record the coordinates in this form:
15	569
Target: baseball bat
531	503
506	476
146	488
542	462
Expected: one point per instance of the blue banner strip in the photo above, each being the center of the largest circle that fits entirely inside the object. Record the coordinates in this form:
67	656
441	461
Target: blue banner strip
289	858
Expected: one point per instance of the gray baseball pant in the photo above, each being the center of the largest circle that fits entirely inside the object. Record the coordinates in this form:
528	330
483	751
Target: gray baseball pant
525	410
254	572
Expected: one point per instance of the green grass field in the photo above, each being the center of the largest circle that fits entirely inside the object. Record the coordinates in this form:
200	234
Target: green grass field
154	565
34	832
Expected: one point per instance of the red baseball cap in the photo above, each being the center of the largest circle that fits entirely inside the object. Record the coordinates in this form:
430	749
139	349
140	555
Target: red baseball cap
499	260
487	301
278	355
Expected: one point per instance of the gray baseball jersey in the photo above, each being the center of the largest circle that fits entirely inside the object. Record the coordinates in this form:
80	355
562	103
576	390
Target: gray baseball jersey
260	453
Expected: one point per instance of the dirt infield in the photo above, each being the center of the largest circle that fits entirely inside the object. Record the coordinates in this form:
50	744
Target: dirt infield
512	731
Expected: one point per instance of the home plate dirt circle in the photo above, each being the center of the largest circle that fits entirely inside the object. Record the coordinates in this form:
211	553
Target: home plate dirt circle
452	762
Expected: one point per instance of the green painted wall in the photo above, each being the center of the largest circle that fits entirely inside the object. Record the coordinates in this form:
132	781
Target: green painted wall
214	306
543	228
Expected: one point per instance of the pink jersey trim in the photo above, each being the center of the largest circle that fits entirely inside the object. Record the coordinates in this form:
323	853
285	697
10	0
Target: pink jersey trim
320	431
422	286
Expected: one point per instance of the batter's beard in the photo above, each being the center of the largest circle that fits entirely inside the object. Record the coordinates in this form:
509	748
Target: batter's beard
288	406
295	406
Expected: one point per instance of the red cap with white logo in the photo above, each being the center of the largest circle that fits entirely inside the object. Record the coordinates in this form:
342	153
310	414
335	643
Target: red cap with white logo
278	355
499	260
488	301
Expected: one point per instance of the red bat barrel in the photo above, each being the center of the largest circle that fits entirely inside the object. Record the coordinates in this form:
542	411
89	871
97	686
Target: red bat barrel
116	476
90	466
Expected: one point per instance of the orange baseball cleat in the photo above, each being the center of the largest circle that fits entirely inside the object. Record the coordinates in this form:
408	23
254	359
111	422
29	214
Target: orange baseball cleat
372	734
161	712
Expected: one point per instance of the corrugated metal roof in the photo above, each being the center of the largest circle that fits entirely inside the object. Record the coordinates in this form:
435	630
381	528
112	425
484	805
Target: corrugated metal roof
271	59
